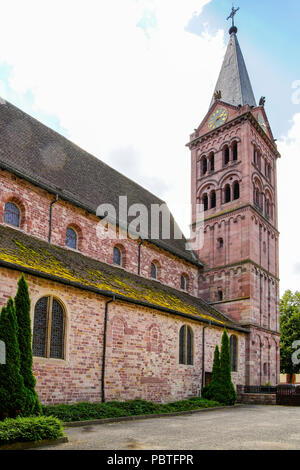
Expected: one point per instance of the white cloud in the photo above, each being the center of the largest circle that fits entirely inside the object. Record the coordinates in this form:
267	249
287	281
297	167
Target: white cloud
114	85
288	200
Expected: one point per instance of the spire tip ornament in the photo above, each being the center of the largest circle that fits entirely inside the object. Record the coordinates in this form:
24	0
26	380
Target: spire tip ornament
234	11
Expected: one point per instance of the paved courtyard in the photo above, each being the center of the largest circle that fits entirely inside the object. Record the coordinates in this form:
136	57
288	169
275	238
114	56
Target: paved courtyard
246	428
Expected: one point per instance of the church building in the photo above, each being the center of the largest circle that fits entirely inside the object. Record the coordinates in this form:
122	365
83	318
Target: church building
118	318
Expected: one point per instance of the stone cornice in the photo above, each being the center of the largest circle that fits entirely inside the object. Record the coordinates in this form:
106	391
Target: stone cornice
227	212
240	263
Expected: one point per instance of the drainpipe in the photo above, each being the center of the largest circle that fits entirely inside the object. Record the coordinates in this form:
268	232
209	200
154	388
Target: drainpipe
139	256
203	356
104	349
50	218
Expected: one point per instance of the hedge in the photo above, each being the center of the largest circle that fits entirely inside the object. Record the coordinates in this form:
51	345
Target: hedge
32	429
88	411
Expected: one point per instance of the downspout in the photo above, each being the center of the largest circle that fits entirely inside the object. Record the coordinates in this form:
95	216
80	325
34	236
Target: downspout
203	356
50	218
139	256
104	349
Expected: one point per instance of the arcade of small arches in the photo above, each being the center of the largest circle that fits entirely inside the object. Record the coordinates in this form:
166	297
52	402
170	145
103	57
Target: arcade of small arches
207	162
229	188
262	197
262	163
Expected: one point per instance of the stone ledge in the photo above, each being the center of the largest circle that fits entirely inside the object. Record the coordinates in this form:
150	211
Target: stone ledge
257	398
31	445
137	417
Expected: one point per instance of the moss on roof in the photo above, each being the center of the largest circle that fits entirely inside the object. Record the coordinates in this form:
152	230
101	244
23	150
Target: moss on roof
19	249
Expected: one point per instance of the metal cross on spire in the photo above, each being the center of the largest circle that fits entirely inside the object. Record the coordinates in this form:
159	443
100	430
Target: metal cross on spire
233	13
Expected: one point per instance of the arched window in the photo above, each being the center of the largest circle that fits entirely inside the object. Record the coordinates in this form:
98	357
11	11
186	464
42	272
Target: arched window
226	153
233	352
267	208
234	151
220	242
213	199
236	190
184	282
49	329
227	193
257	197
258	160
117	256
205	202
186	345
153	271
254	155
12	214
220	295
204	166
71	238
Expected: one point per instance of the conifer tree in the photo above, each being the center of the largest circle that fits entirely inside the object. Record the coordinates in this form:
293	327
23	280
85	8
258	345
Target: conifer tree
13	395
209	392
22	307
229	395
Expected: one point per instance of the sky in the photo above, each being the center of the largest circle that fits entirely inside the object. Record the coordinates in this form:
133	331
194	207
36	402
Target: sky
129	80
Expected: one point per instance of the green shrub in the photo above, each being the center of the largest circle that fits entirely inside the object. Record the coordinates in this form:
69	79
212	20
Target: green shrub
14	397
30	429
114	409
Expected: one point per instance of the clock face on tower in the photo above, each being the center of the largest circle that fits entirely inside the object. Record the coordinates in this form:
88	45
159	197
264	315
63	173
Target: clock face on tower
218	118
262	122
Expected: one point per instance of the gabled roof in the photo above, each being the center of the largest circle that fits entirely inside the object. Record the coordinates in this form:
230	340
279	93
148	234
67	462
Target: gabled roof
37	153
234	82
34	256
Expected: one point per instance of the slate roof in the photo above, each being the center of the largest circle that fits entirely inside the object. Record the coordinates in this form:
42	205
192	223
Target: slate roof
46	158
234	82
36	257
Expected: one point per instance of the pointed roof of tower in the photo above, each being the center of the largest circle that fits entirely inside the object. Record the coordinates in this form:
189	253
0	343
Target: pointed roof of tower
234	82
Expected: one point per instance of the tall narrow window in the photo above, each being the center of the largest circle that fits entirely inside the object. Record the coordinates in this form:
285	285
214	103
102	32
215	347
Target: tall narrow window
48	329
212	162
233	352
205	202
213	199
204	166
12	214
186	345
153	272
226	155
227	193
234	151
236	190
220	295
220	242
183	282
117	256
71	238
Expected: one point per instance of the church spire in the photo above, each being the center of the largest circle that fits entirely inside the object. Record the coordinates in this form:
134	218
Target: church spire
234	86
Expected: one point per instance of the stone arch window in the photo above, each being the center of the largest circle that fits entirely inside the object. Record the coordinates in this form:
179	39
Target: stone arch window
184	280
226	155
212	161
49	329
236	190
186	345
71	238
119	255
227	194
234	353
154	270
12	214
213	199
205	201
235	151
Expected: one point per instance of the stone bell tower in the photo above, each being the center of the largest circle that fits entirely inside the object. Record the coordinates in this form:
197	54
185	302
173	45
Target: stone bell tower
233	172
